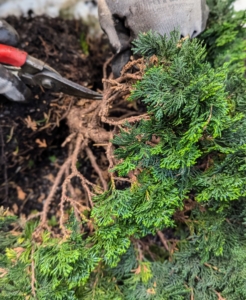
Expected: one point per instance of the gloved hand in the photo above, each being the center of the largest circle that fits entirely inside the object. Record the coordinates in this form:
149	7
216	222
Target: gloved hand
122	20
10	85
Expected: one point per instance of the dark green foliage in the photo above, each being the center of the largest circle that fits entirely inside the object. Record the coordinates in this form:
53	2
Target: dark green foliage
210	260
192	149
225	35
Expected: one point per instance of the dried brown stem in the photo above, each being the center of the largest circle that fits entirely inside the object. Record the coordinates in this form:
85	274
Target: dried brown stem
122	179
163	240
219	296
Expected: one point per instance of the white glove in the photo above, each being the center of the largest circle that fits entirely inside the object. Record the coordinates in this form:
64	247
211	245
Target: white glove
122	20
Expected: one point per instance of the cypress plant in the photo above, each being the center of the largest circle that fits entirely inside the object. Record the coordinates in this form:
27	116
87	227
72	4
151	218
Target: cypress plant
189	166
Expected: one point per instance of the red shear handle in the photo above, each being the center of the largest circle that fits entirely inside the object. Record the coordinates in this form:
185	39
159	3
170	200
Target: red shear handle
12	56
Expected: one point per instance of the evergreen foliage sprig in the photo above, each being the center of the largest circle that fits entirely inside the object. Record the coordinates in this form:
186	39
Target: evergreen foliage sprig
225	35
192	148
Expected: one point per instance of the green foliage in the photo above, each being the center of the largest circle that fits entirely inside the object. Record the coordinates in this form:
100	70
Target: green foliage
61	267
191	149
225	35
200	268
6	240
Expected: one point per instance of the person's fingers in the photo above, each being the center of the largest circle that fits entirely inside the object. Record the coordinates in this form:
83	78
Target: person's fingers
12	87
119	61
8	34
119	36
108	25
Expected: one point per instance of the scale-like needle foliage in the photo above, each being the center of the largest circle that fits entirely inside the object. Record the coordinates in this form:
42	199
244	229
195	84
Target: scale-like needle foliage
190	155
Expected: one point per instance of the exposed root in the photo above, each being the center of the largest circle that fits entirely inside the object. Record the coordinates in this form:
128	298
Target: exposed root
86	121
129	120
53	191
68	139
96	167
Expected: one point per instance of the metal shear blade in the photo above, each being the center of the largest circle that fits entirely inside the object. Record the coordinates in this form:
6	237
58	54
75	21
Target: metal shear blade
36	72
57	83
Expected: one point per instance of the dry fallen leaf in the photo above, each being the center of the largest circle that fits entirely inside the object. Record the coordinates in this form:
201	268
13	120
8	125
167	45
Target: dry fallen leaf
15	208
41	198
20	193
15	233
153	60
137	270
41	143
50	177
30	123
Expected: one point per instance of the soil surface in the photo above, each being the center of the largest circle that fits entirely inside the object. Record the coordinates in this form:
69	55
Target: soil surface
31	134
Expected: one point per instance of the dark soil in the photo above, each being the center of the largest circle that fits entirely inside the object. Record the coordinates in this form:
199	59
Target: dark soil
31	134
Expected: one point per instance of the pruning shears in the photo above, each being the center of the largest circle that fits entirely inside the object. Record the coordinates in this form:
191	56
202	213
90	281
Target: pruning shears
33	71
